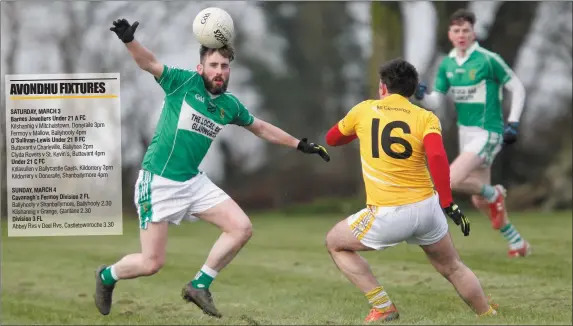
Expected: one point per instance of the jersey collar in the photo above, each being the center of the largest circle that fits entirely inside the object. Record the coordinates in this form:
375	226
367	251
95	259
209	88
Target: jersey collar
469	51
394	98
213	96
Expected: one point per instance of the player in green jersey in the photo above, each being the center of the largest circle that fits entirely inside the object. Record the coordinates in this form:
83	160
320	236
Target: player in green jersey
170	187
475	78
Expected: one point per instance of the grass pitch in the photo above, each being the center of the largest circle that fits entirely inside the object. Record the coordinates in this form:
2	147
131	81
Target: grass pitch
285	276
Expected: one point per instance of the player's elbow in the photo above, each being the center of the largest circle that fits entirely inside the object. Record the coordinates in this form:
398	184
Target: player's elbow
520	86
437	162
520	92
515	86
433	156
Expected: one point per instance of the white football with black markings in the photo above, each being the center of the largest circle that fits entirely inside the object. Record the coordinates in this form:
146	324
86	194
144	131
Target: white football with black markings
213	27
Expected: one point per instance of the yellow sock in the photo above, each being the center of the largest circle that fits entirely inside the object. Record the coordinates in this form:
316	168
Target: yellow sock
379	299
489	312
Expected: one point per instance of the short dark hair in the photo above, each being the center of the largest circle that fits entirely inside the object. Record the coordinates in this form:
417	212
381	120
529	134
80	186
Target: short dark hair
226	51
399	76
463	15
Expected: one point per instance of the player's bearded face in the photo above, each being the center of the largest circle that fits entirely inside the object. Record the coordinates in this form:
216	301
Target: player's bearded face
216	72
216	84
461	35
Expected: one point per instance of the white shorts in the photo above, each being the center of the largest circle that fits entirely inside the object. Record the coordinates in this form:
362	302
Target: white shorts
483	143
421	223
159	199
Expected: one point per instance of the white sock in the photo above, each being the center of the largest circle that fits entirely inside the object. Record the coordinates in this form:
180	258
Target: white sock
112	271
209	271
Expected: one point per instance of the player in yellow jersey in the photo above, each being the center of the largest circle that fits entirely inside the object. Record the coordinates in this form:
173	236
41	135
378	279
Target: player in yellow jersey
396	138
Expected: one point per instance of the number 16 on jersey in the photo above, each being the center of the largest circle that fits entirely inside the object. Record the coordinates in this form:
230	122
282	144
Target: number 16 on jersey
387	140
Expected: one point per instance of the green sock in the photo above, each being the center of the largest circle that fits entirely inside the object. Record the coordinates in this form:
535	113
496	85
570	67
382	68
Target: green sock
108	276
513	237
204	278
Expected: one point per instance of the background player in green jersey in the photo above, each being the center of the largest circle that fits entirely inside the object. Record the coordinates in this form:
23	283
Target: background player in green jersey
475	78
170	187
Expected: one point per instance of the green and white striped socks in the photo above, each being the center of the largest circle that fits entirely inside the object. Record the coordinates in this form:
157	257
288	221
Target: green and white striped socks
512	236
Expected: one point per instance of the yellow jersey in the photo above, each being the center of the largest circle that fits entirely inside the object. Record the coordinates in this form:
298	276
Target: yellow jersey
391	133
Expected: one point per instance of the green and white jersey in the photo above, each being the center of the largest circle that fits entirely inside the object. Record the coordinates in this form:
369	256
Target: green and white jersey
190	120
476	85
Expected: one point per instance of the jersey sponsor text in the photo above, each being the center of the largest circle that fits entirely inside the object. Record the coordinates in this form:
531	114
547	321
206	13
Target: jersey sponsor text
469	94
191	120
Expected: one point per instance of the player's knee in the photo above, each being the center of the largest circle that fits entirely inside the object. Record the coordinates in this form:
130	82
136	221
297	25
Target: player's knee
457	178
246	231
479	202
242	230
455	183
152	265
330	241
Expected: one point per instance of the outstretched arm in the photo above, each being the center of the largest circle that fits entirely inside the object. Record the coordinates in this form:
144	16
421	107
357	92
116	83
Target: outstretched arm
278	136
143	57
272	133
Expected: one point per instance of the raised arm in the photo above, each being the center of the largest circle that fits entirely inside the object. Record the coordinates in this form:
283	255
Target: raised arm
143	57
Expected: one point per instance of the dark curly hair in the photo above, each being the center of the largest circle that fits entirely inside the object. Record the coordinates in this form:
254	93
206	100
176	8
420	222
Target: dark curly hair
226	51
461	16
399	76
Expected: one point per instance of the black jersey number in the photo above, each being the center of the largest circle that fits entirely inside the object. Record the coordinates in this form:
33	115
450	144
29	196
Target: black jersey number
388	140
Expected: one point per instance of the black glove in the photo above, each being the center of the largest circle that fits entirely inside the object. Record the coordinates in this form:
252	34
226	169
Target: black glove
124	30
510	133
312	148
454	212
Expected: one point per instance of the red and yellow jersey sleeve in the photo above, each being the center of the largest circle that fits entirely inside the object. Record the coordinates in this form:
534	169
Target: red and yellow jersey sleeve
348	124
431	124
